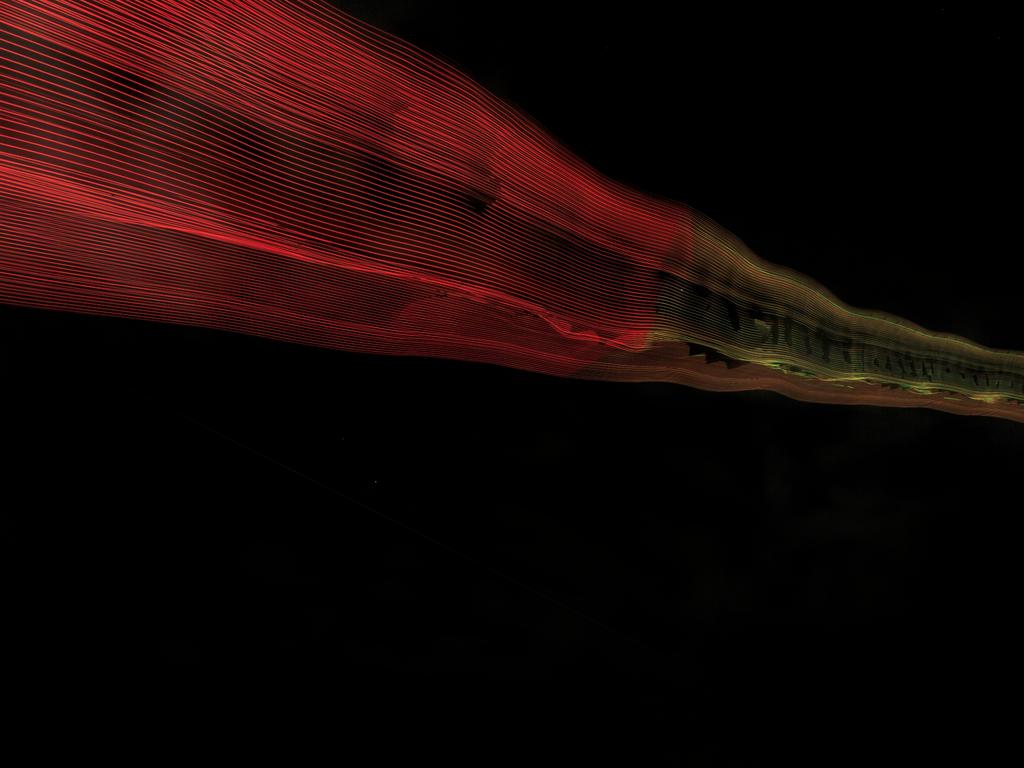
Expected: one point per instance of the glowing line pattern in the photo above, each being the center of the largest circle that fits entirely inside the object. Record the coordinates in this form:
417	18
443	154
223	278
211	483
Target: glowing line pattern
275	167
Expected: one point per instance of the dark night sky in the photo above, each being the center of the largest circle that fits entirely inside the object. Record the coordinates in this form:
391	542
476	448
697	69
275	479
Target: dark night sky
641	571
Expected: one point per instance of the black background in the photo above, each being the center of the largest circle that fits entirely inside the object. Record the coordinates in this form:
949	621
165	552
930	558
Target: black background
648	573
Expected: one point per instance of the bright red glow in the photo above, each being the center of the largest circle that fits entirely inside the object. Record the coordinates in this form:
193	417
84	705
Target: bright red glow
274	167
283	170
